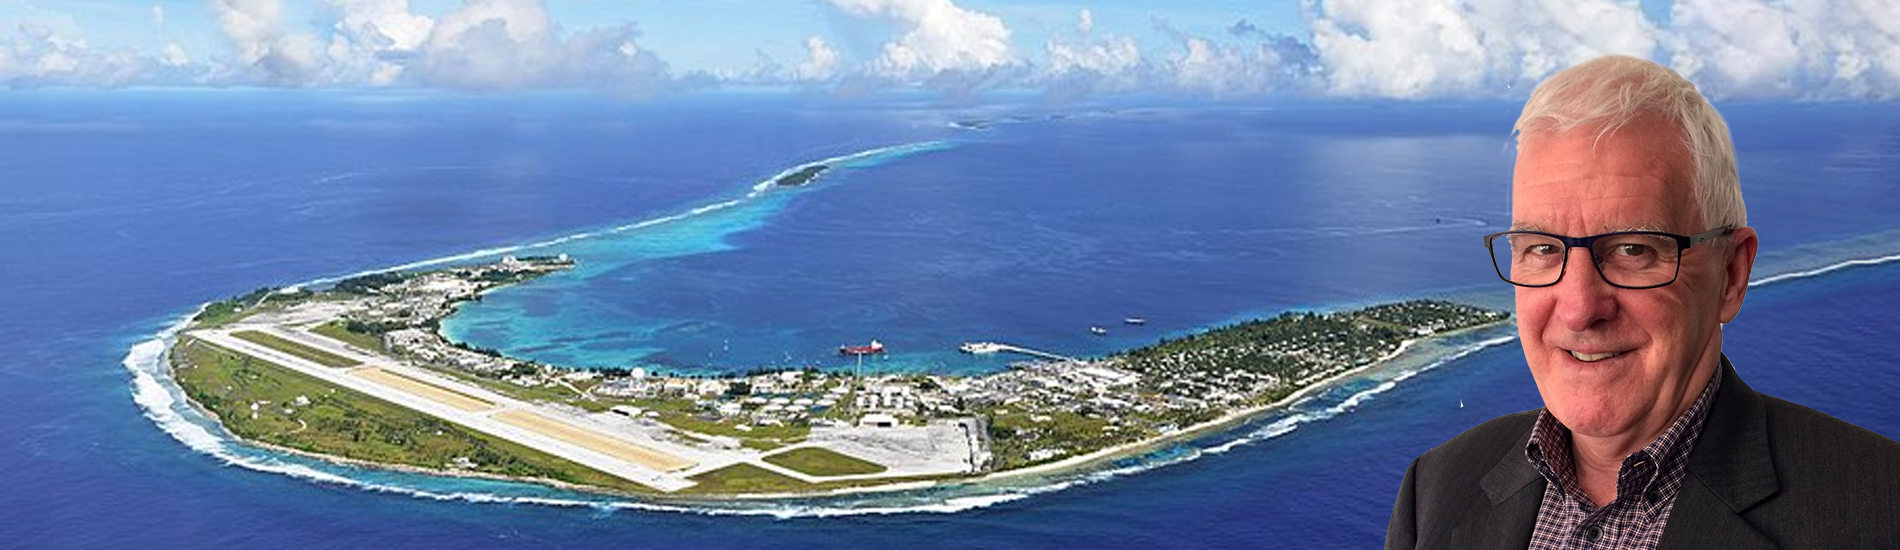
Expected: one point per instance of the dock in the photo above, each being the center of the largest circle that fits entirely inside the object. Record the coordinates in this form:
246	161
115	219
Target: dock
993	347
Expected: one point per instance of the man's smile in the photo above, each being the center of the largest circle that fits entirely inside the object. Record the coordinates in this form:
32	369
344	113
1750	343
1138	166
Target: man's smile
1595	356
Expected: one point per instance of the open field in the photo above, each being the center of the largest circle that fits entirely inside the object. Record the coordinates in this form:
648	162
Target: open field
819	461
746	478
336	330
278	343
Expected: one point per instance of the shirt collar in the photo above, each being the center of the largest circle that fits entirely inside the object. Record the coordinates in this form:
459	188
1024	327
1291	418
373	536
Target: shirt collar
1548	450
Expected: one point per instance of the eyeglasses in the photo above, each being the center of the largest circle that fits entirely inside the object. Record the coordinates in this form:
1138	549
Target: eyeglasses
1626	259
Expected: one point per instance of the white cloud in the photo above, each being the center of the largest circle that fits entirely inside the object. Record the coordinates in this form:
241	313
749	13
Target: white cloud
1085	63
1413	49
490	44
372	40
1357	48
1825	48
498	44
937	37
175	56
822	61
1224	70
256	28
482	44
37	55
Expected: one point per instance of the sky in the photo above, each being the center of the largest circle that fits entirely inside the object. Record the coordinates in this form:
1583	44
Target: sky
1402	49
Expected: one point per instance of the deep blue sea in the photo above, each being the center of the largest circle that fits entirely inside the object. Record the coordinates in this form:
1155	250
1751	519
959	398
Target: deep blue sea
121	212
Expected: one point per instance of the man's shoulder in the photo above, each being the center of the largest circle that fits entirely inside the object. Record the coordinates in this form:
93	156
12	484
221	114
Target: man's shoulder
1812	441
1480	447
1833	481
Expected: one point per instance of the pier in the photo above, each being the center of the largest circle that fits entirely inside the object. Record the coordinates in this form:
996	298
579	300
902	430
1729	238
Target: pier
994	347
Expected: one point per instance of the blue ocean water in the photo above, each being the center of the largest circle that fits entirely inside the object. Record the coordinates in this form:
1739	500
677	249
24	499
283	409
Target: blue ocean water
123	211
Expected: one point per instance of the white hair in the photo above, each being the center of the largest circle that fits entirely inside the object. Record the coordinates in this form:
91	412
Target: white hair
1611	91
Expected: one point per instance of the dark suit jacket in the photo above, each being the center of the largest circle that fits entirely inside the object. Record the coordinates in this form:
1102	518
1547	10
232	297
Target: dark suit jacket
1765	473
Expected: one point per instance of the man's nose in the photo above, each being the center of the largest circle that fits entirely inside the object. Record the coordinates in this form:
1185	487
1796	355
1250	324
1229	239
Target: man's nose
1584	298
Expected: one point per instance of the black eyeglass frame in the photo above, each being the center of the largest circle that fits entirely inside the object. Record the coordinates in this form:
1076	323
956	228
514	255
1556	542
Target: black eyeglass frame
1682	244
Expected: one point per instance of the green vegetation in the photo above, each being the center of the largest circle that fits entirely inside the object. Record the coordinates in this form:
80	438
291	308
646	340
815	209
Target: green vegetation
346	332
368	284
802	176
264	402
1015	434
275	342
224	312
819	461
765	444
745	478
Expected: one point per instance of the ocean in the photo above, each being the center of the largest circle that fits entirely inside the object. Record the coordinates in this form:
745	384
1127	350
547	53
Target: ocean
1017	221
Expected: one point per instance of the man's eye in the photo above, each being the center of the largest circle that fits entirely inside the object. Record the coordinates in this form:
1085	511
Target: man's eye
1631	250
1541	250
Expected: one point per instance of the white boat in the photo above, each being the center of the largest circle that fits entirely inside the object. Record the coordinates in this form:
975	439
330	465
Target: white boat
980	348
1134	321
1098	331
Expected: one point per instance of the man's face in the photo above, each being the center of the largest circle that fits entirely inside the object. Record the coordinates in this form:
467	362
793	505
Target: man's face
1637	177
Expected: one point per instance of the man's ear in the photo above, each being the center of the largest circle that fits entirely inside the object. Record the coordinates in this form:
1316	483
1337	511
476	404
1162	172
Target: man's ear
1740	261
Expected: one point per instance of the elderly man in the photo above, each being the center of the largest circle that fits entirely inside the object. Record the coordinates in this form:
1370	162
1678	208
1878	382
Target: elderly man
1629	249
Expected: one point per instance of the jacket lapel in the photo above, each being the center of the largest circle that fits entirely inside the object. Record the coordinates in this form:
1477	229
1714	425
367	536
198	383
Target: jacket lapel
1515	491
1729	472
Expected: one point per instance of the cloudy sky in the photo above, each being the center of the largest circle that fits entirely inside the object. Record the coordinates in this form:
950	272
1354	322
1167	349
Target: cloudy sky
1414	49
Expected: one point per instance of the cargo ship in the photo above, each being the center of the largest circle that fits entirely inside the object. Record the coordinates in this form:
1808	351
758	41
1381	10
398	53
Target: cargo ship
874	348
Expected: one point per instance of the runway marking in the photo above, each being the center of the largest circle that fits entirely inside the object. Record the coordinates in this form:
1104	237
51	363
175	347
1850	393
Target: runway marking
592	440
424	390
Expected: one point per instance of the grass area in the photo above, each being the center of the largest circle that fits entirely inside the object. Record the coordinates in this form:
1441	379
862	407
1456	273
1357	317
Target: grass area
238	307
261	401
340	332
278	343
819	461
763	444
746	478
1017	434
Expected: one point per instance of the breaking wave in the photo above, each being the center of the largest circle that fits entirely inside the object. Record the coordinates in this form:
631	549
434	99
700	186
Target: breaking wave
1823	270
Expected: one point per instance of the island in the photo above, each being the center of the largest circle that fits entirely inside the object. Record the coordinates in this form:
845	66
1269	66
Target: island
801	176
360	373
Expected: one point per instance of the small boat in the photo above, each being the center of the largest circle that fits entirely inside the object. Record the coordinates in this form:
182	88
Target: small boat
1134	321
874	348
1098	331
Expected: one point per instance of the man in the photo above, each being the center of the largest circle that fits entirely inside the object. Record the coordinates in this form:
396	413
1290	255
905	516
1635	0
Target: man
1629	249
